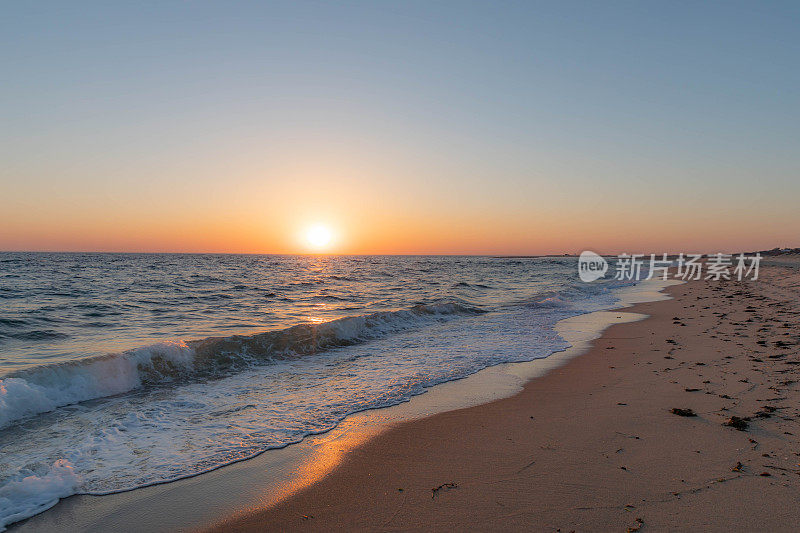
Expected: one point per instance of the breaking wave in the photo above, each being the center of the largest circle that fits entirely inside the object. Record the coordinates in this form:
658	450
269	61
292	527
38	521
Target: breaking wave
44	388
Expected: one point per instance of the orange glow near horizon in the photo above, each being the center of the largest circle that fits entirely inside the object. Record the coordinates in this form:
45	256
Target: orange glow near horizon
361	215
386	233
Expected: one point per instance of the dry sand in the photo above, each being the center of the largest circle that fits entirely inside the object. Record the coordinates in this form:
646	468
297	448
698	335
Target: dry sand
593	445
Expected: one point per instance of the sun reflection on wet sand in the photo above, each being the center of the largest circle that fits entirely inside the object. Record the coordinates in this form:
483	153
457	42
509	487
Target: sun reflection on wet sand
328	451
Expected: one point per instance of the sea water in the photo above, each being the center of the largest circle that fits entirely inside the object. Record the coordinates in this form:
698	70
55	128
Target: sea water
124	370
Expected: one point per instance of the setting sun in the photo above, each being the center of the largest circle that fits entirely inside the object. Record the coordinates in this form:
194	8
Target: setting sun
319	237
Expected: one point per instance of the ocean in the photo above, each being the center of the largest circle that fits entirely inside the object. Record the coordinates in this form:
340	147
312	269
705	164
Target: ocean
119	371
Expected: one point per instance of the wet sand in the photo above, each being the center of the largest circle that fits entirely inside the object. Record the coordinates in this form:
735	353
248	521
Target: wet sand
595	444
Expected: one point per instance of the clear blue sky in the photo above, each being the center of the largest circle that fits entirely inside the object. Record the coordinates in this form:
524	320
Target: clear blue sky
512	115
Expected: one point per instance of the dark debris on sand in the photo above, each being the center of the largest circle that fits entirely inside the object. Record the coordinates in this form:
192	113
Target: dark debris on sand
737	423
443	486
682	412
637	527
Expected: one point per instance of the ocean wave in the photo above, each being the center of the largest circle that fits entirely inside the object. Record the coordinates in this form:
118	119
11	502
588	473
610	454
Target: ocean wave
44	388
217	354
328	298
464	284
342	278
12	322
39	335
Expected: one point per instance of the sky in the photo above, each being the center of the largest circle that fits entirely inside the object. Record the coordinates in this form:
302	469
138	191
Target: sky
402	127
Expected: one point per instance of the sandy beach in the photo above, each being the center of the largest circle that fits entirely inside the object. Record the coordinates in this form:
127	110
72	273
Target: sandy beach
595	444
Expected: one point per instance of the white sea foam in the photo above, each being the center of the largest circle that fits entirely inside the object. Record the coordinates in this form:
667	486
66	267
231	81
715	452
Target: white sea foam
28	494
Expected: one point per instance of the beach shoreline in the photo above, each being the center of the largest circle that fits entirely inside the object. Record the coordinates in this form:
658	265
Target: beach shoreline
595	444
266	479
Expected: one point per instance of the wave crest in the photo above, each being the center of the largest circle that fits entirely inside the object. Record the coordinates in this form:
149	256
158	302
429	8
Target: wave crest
45	388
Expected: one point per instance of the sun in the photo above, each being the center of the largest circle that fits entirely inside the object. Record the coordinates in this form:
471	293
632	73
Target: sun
319	236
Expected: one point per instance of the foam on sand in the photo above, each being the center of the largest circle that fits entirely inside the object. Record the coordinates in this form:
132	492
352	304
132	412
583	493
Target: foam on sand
29	494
